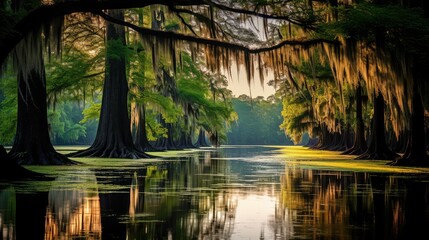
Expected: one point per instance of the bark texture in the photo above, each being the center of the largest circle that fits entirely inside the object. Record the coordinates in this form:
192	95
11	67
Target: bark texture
166	143
141	141
415	153
359	146
377	148
202	141
32	145
9	169
113	139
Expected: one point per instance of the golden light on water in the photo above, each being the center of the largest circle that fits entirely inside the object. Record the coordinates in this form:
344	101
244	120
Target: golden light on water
73	213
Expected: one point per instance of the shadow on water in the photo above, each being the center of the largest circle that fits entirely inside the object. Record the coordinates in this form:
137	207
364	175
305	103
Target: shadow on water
231	193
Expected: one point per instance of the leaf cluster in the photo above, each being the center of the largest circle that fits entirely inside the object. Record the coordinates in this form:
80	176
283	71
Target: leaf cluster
398	25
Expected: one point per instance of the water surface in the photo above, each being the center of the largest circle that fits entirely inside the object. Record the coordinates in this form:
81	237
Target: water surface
236	192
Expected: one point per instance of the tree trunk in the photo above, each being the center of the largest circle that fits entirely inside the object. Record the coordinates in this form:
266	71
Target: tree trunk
378	149
141	142
415	153
326	139
185	141
202	142
359	146
311	142
214	138
113	139
427	137
32	145
166	143
9	169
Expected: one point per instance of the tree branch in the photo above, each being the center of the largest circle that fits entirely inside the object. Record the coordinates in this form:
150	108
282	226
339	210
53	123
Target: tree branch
43	14
258	14
188	26
212	42
200	17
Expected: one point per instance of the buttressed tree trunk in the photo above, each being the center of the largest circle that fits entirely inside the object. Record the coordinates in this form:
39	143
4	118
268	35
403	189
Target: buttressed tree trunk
201	141
166	143
32	145
415	153
113	139
377	148
9	169
359	146
141	142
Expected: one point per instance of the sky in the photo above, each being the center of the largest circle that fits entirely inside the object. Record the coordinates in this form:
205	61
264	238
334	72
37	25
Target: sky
240	86
237	83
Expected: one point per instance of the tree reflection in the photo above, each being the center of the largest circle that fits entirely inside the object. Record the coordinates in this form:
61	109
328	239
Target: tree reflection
8	213
324	204
73	211
175	201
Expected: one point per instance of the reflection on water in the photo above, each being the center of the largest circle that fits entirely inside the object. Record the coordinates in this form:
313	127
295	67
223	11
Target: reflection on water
73	213
174	201
341	205
230	193
7	212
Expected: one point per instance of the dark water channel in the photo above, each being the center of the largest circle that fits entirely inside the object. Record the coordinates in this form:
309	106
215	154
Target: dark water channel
231	193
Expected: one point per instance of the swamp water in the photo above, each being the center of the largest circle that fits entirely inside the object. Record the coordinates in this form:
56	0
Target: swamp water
235	192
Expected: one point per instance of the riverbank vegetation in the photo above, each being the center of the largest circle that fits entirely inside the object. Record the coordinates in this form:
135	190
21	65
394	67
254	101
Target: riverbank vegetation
130	77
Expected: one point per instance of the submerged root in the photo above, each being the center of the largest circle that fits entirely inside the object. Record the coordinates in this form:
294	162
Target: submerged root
378	155
111	152
147	147
9	169
41	158
420	160
355	151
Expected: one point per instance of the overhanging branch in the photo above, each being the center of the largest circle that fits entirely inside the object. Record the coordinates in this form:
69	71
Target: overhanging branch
212	42
258	14
43	14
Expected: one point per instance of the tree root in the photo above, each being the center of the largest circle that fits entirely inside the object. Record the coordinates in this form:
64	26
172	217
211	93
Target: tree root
420	160
149	148
378	155
355	151
111	152
41	158
9	169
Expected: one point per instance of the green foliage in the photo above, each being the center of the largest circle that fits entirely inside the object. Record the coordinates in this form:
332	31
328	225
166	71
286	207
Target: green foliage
399	25
91	113
140	68
164	105
71	77
258	122
143	82
154	129
172	27
66	73
204	97
8	108
72	81
297	118
117	50
64	128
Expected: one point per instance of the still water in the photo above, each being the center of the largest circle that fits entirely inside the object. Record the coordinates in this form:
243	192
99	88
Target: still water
230	193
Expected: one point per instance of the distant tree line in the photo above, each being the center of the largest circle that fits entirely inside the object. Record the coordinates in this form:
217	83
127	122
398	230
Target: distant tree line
258	122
